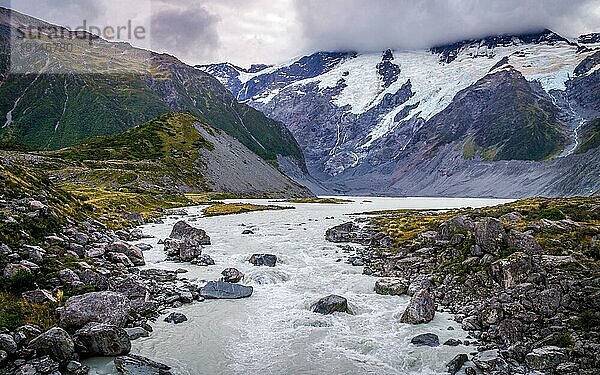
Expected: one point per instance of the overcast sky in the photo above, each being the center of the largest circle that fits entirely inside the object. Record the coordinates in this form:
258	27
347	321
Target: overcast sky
273	31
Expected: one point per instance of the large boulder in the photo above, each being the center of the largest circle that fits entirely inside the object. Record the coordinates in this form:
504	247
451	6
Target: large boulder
268	260
56	343
457	224
12	269
391	286
457	363
176	318
348	232
185	232
490	235
101	340
224	290
97	307
134	253
7	343
330	304
426	339
513	270
182	250
420	309
490	361
524	242
232	275
133	288
39	296
138	365
545	358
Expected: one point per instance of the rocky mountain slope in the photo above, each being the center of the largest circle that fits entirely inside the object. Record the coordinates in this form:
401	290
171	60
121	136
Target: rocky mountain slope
100	88
174	153
479	117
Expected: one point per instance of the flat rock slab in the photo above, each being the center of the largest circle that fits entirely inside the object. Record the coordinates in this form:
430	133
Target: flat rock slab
138	365
225	290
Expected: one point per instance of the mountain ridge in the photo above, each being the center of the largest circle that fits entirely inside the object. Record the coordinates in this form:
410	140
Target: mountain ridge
360	117
116	88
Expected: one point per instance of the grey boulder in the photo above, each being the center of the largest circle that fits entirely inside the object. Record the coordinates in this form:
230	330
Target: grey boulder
420	309
101	340
176	318
391	286
330	304
138	365
185	232
56	343
232	275
224	290
97	307
426	339
268	260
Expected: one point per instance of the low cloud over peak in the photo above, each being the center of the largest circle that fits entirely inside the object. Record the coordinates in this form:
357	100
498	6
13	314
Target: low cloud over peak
266	31
412	24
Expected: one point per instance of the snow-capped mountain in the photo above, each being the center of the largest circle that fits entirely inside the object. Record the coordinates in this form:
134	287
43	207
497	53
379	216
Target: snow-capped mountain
373	122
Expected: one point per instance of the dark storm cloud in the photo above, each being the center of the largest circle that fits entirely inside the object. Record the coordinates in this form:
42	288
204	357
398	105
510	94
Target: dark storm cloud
406	24
190	32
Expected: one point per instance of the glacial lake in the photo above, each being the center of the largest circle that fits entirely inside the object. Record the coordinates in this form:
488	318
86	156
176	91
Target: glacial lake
273	331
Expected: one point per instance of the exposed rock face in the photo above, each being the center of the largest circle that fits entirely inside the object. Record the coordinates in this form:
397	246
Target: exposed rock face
101	340
439	138
490	236
97	307
513	270
138	365
391	286
268	260
330	304
224	290
426	339
232	275
185	232
420	309
56	343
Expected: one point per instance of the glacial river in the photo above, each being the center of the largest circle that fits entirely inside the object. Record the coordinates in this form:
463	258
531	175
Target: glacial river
274	332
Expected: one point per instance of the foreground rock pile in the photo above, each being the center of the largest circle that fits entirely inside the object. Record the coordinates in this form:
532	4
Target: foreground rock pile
71	289
527	307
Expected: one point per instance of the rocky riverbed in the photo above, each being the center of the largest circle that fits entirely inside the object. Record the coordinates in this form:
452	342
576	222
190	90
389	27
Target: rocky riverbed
267	292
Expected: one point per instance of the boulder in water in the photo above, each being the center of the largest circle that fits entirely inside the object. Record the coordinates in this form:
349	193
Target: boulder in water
185	232
420	309
138	365
225	290
330	304
426	339
232	275
102	340
268	260
457	363
176	318
391	286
